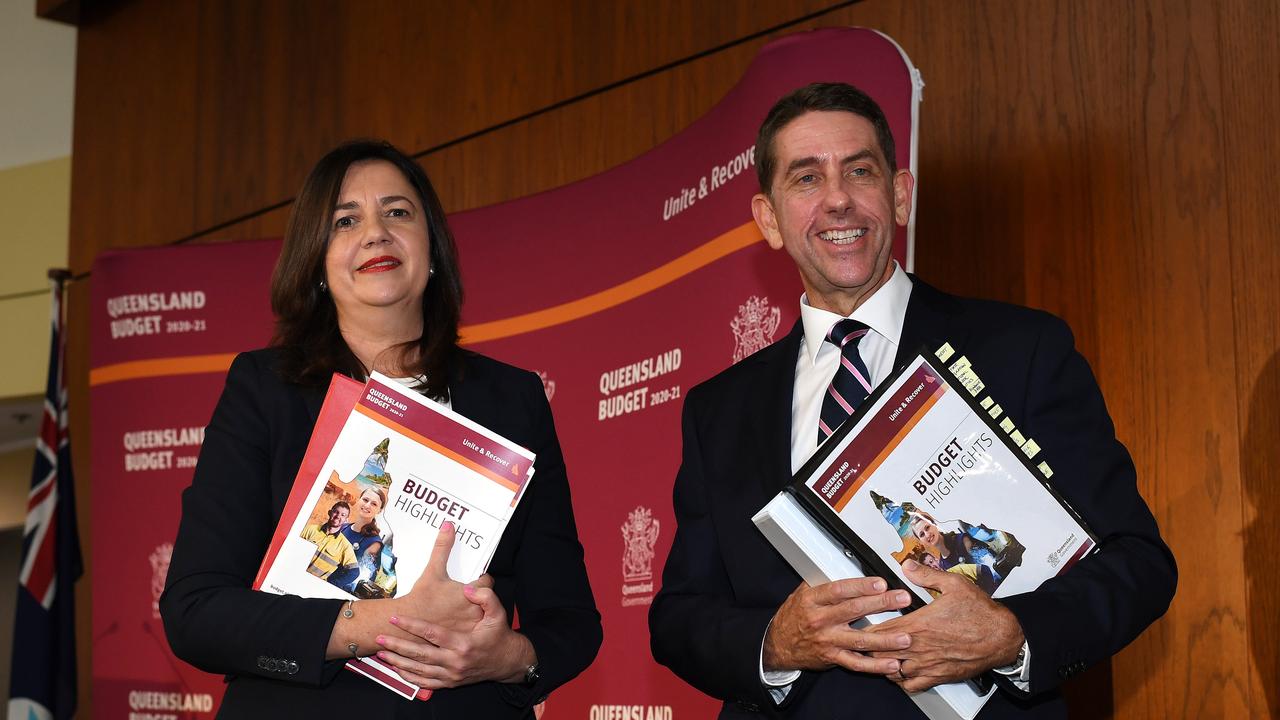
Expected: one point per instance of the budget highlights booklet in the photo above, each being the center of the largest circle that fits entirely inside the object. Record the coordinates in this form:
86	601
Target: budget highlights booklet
928	469
385	467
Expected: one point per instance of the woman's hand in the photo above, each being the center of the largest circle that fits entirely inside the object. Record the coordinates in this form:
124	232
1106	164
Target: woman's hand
435	597
490	650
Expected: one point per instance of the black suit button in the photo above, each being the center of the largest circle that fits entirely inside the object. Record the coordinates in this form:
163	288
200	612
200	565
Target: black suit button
293	667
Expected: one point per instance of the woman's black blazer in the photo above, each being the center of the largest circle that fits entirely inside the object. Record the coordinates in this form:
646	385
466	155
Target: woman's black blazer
272	647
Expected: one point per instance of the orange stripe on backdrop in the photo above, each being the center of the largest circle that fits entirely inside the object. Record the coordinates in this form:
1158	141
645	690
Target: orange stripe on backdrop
736	239
160	367
726	244
890	447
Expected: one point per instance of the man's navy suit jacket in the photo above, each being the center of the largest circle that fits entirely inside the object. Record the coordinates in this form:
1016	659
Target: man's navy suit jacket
723	582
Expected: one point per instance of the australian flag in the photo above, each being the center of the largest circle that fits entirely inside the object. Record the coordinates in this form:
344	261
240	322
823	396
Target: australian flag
43	681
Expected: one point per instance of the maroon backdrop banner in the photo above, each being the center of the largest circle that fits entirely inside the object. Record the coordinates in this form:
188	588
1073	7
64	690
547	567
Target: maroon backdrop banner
622	291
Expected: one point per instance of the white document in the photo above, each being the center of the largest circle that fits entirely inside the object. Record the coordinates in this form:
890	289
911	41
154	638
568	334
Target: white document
819	559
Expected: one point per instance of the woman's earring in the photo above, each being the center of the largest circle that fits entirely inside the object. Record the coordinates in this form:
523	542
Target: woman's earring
324	288
431	271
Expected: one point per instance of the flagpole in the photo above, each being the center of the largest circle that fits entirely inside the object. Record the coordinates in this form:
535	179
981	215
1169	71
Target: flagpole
42	681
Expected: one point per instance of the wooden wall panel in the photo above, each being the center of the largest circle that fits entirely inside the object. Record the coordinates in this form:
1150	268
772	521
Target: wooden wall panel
1166	324
133	177
283	82
1106	161
1251	96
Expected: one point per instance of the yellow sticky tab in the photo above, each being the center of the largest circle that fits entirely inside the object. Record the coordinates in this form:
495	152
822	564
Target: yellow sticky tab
986	402
1006	425
960	365
1017	437
1044	468
945	352
995	412
1030	448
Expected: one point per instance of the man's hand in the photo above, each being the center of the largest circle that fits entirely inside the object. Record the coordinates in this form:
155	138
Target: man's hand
811	630
961	634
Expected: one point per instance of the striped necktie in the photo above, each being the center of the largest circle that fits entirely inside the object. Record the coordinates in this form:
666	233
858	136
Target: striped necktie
852	382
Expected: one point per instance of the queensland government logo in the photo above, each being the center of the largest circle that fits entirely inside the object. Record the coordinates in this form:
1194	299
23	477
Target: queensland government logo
159	571
754	326
639	533
548	385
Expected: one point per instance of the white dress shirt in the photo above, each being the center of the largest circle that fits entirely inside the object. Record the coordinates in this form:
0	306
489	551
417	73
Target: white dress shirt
884	313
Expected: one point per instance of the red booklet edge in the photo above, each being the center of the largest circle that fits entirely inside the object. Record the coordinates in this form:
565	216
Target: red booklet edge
339	401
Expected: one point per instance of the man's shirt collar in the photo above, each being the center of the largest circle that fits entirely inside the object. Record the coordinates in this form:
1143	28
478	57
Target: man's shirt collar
884	312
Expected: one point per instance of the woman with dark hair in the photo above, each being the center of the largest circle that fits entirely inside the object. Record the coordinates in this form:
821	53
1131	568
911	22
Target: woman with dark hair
368	280
311	338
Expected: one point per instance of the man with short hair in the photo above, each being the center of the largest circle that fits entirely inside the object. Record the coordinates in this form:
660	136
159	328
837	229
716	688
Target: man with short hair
732	618
333	549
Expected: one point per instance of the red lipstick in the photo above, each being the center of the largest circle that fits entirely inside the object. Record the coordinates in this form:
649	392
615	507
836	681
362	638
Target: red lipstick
382	263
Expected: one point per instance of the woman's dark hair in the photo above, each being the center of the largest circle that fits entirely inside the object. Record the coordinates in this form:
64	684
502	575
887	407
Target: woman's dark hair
311	347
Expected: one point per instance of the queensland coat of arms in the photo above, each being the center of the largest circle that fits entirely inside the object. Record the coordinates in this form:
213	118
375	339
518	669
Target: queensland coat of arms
754	326
159	559
639	533
548	385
